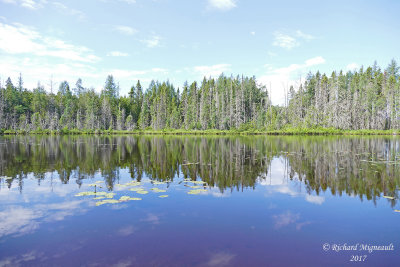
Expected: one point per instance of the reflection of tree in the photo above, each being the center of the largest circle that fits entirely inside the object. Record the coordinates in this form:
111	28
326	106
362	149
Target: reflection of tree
366	167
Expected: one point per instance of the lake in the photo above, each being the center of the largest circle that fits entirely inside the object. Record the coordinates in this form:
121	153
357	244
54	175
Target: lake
199	201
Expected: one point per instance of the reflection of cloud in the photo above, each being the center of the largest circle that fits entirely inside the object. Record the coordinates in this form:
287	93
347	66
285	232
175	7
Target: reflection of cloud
220	259
285	190
125	231
285	219
152	218
300	225
219	194
216	192
277	182
123	263
23	258
315	199
18	220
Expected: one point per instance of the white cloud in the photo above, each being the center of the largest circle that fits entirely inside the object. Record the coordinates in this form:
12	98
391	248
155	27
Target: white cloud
20	39
30	4
286	76
290	41
314	61
304	36
117	54
125	30
125	1
70	11
213	71
120	73
285	41
253	33
165	71
352	67
154	41
223	5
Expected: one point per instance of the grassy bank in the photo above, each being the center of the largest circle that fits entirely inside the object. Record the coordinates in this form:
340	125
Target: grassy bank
287	131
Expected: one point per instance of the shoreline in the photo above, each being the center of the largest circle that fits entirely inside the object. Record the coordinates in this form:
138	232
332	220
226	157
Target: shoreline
291	131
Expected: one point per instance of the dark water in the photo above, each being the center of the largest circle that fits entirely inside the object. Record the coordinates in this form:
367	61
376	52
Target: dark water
265	201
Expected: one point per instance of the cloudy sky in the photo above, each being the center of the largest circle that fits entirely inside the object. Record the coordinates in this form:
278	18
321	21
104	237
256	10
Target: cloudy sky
279	42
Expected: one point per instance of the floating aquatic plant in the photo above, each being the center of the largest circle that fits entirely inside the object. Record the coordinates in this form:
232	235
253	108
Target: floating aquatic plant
196	191
134	183
126	198
81	194
158	183
142	192
163	196
198	182
388	197
158	190
107	201
109	195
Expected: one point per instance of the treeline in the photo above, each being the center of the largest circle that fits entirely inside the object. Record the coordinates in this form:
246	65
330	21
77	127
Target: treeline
364	99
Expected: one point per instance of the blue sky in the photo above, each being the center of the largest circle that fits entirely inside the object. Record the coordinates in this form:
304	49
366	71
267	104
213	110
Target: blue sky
277	41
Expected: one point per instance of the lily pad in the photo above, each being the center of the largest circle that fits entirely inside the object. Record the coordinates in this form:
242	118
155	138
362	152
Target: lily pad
198	182
196	191
136	189
134	183
142	192
158	183
158	190
101	193
163	196
109	195
388	197
99	198
81	194
107	201
127	198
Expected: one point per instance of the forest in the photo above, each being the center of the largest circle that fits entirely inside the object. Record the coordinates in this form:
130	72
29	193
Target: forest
366	99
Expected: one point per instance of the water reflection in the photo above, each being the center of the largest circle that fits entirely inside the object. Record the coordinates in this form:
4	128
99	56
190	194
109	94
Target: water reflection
367	167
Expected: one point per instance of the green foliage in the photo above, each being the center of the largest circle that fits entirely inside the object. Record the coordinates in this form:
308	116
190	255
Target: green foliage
368	99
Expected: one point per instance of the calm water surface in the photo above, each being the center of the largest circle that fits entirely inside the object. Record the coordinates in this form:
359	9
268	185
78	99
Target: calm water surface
228	201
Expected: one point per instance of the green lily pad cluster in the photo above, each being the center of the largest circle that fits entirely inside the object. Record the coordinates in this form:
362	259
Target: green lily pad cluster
158	190
196	187
108	198
196	191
